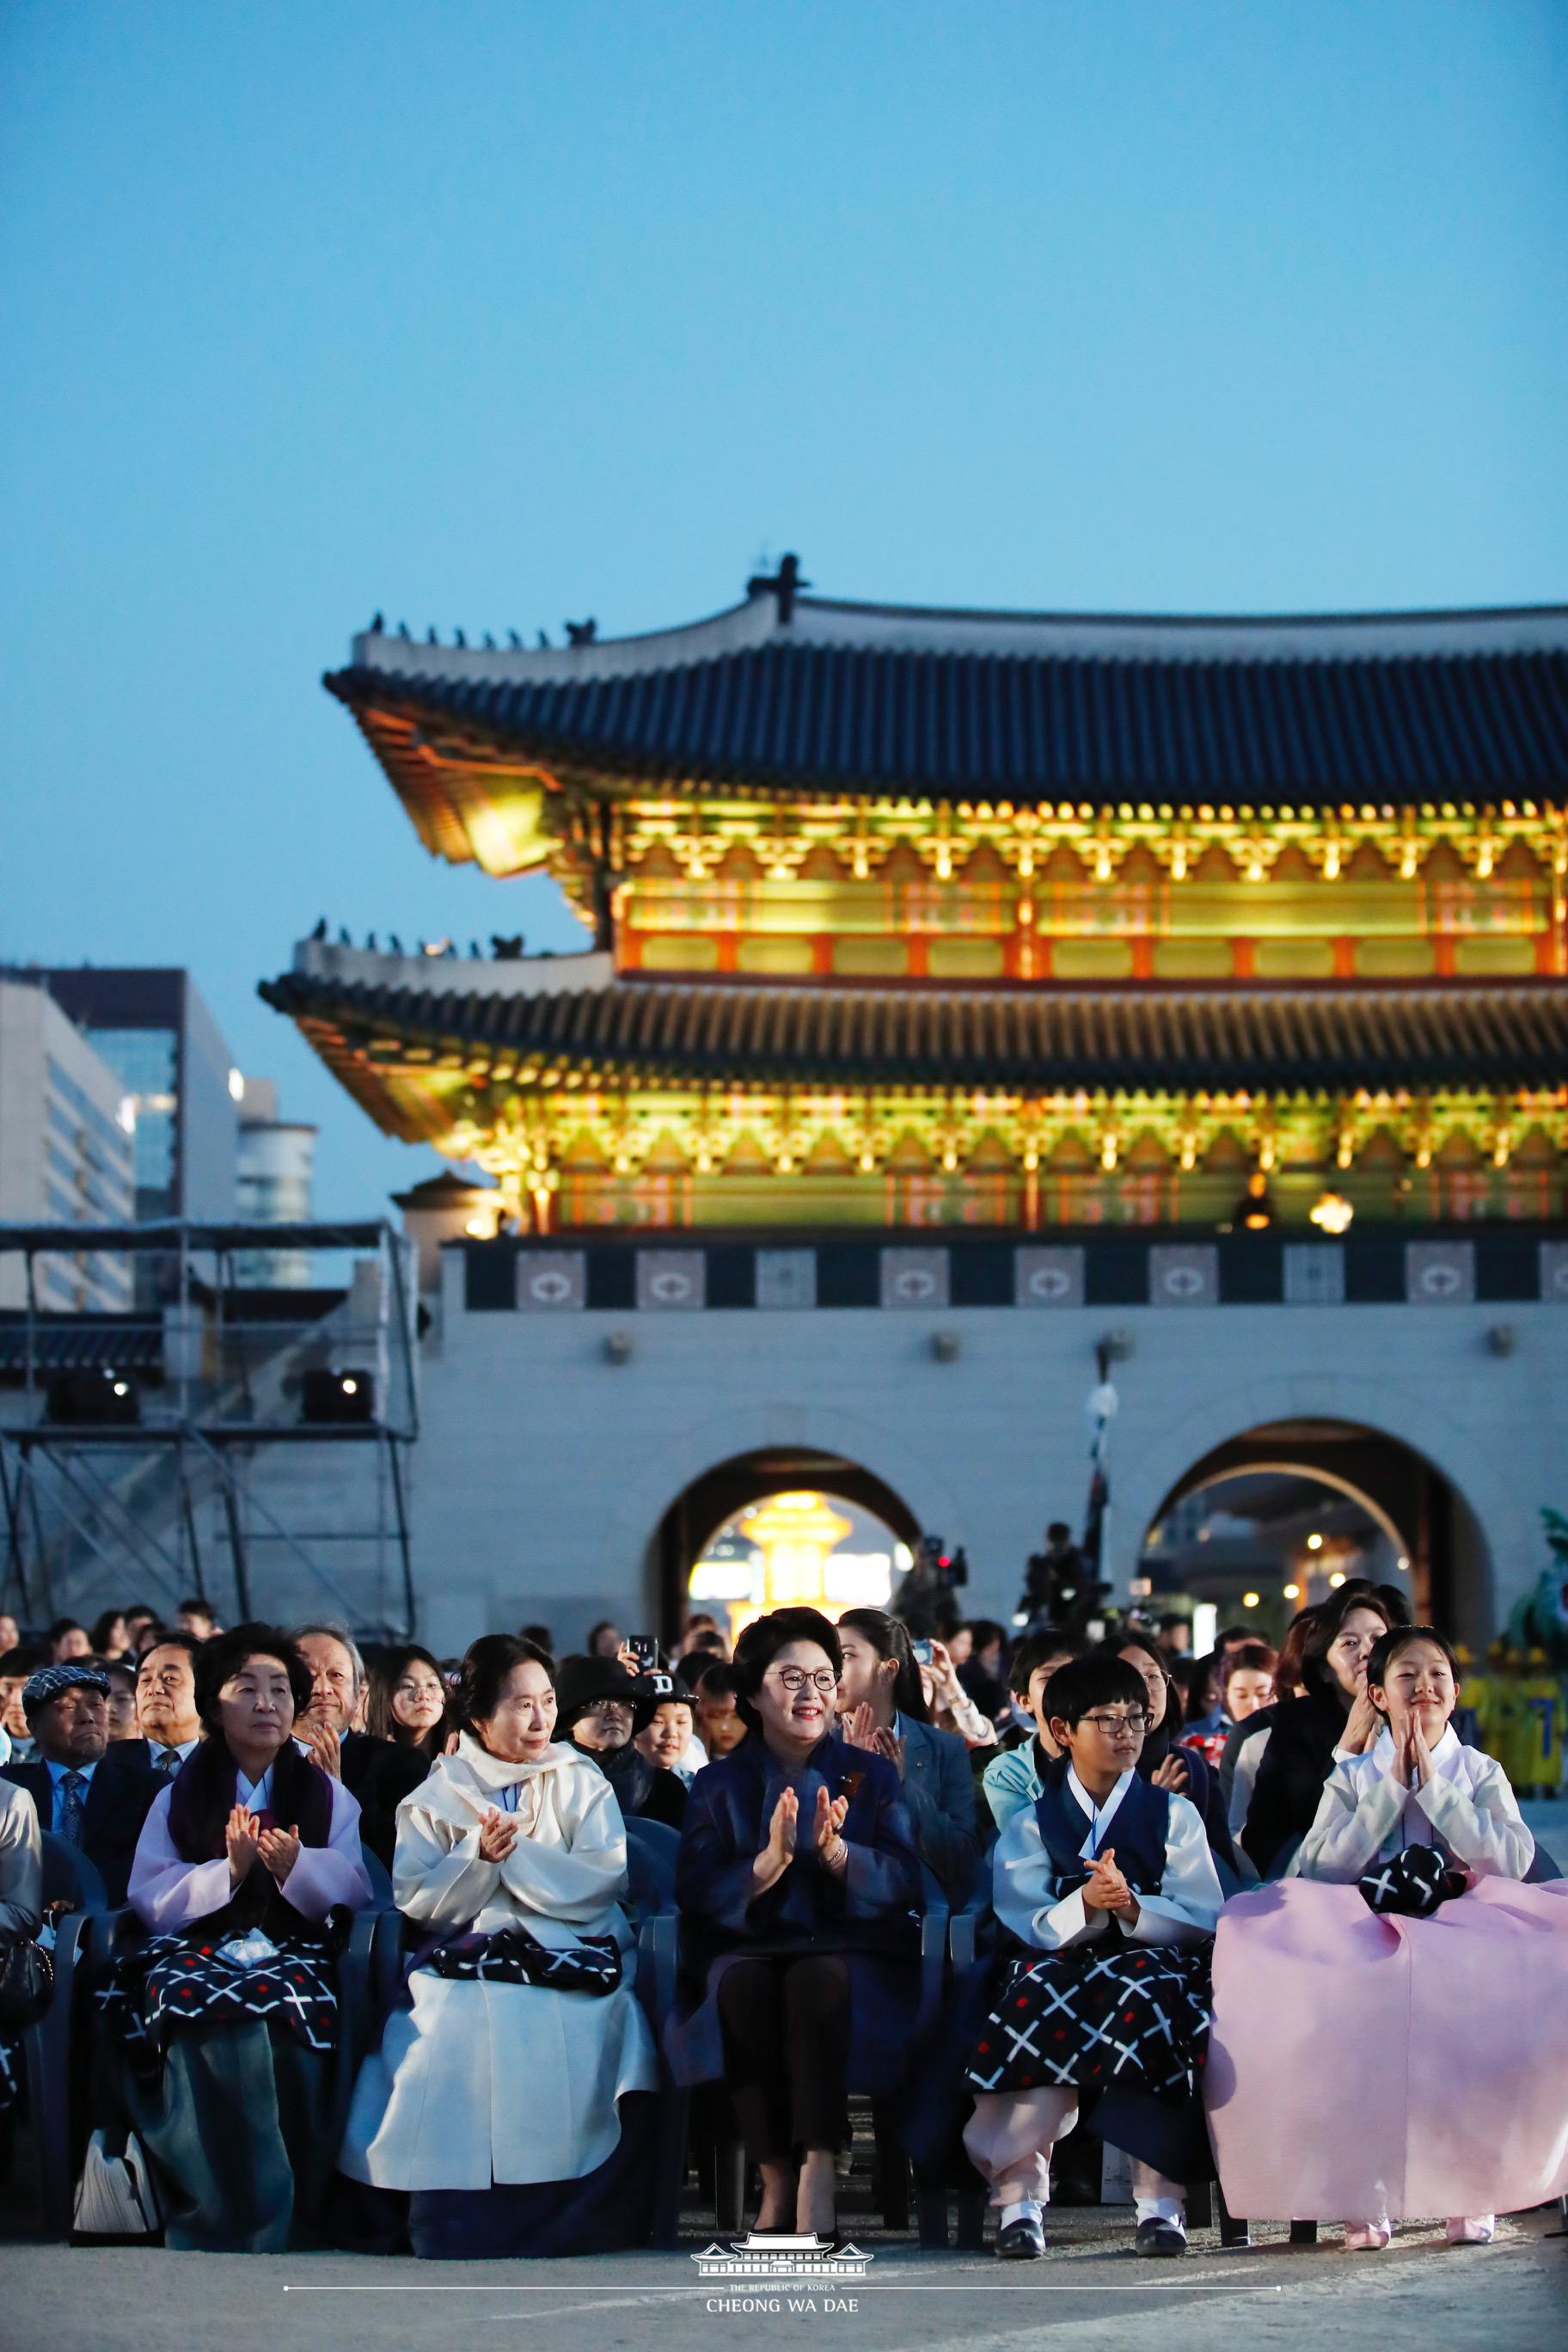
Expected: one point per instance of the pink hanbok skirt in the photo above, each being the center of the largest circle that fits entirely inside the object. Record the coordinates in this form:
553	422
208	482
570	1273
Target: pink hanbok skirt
1363	2065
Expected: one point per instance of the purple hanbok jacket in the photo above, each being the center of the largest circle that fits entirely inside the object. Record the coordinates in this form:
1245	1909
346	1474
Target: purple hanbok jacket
870	1914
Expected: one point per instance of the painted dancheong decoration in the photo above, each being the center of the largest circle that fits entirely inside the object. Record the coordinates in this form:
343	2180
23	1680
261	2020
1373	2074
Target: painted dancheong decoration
902	918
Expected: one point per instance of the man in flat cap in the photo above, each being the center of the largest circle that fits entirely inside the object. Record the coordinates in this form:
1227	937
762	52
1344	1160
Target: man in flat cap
101	1813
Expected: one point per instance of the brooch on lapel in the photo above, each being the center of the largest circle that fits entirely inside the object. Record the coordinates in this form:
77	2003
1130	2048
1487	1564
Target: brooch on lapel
849	1783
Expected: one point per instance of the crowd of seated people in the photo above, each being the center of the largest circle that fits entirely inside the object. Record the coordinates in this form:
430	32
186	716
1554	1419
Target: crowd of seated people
1169	1862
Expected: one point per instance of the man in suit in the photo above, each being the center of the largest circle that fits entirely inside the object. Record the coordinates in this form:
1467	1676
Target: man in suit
377	1773
881	1705
168	1726
97	1810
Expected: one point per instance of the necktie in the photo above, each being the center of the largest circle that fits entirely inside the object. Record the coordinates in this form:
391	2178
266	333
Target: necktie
169	1762
69	1826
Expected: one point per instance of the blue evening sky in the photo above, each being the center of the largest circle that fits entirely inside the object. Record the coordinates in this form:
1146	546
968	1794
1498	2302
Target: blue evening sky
488	314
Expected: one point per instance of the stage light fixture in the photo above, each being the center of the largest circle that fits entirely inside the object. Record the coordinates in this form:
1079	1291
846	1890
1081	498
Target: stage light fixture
93	1399
334	1397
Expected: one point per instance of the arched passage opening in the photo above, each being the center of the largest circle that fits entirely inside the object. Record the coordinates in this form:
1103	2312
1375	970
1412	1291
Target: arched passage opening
1279	1515
730	1489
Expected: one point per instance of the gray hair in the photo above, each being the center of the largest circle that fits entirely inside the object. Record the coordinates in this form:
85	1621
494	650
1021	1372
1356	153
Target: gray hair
339	1634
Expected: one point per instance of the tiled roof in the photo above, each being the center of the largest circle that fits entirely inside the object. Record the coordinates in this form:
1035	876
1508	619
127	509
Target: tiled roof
1289	715
1503	1036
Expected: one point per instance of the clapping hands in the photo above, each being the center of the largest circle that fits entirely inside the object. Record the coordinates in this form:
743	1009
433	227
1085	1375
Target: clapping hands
497	1836
1412	1756
241	1832
826	1828
1106	1889
1361	1726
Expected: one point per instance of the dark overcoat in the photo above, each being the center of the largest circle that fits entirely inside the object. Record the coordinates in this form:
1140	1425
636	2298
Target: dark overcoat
870	1912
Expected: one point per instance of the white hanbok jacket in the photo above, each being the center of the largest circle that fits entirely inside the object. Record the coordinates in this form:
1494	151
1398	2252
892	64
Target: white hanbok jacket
1029	1902
482	2083
1466	1807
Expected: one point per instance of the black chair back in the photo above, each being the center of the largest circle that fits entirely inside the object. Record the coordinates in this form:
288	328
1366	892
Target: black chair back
70	1877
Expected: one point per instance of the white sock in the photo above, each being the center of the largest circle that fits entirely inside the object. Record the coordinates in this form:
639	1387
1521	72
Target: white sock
1028	2209
1162	2209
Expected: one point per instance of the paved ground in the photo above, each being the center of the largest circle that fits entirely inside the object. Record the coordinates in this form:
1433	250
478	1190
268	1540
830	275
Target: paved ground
1421	2295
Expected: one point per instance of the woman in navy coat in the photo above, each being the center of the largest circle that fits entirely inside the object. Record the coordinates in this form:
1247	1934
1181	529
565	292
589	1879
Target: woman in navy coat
800	1886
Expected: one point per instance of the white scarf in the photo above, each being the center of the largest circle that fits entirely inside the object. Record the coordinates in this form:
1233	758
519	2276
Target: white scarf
463	1788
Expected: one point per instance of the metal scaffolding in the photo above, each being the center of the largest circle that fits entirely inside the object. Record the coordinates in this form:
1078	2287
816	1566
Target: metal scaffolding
121	1432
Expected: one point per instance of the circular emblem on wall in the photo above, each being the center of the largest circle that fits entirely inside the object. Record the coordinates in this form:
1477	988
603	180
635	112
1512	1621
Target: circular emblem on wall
1183	1281
670	1288
915	1282
552	1287
1441	1281
1048	1282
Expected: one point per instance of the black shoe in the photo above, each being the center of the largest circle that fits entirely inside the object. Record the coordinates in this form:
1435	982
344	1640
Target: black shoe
1157	2237
1022	2241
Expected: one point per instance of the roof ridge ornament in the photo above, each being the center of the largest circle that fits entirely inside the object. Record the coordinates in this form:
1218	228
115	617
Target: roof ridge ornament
784	585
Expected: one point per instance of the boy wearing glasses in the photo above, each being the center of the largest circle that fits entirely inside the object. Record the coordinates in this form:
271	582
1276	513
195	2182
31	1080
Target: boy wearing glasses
1106	1891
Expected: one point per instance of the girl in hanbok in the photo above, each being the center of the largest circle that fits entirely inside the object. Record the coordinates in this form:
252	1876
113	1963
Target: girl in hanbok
1391	2022
505	2100
1108	1888
227	2013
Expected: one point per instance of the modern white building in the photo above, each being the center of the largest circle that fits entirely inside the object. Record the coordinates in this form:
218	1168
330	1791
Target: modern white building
276	1178
67	1148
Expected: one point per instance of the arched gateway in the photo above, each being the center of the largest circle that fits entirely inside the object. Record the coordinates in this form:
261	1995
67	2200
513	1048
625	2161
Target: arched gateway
941	963
721	1493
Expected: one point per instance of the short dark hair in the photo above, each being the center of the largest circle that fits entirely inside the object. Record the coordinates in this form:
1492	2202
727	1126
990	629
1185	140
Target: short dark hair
1129	1638
718	1682
219	1661
101	1627
63	1625
1100	1679
117	1668
1399	1638
890	1639
173	1639
1042	1642
196	1607
486	1665
1251	1658
25	1659
762	1640
1316	1673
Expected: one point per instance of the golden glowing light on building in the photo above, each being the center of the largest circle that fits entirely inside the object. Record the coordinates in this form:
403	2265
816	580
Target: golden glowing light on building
794	1533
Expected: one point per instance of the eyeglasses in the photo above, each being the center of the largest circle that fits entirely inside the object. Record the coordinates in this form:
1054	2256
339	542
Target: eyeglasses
1138	1722
795	1678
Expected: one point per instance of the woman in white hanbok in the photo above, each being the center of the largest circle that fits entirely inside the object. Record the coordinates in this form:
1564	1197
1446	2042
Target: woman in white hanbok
505	2099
